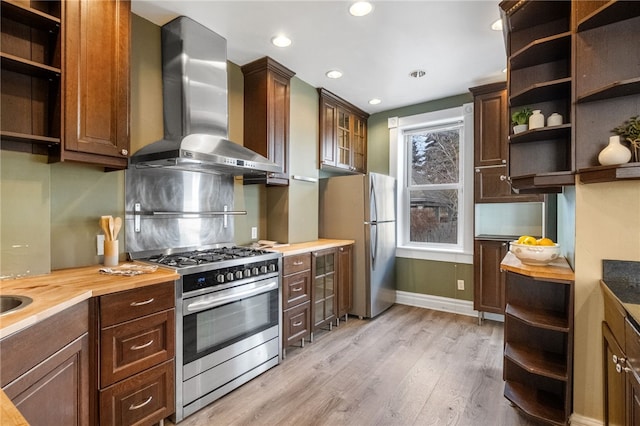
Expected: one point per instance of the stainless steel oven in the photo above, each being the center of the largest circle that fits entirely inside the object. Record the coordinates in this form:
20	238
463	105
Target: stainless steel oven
227	321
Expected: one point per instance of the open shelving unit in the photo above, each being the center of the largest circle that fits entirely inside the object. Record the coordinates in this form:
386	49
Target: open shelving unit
606	91
538	342
539	49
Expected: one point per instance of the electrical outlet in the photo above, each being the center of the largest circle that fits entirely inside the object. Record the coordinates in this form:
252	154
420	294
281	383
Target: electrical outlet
100	244
254	232
460	284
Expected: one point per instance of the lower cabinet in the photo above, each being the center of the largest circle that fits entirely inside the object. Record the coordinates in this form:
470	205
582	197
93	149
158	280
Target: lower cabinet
323	295
45	369
136	348
296	299
345	281
488	278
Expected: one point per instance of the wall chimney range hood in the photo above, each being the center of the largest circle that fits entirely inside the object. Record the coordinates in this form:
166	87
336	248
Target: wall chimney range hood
194	80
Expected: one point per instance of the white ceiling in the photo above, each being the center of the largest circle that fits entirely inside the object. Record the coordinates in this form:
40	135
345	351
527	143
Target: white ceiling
450	40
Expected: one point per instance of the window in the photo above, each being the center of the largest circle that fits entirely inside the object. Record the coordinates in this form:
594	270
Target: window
433	164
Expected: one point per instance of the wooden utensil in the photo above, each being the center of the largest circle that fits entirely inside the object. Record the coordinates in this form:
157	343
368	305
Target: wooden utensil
111	227
104	225
117	224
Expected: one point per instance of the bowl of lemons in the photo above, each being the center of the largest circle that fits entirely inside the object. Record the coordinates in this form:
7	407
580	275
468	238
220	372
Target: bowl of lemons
535	251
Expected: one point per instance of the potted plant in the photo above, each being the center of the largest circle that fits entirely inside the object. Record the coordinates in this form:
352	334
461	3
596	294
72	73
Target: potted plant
520	120
630	132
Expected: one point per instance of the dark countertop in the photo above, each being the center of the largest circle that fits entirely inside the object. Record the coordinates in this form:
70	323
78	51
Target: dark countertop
623	279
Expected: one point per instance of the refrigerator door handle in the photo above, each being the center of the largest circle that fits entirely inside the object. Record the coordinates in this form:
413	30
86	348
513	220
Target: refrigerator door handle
373	241
373	202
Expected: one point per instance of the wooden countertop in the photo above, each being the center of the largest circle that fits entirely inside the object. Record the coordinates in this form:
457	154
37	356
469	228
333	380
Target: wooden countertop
320	244
59	290
558	270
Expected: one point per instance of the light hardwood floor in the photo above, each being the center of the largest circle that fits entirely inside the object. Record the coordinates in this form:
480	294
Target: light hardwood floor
409	366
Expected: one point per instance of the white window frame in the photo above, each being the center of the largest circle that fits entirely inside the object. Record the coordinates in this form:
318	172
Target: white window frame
398	167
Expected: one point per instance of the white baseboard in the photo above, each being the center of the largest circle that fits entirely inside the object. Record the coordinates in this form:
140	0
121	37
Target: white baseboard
445	304
578	420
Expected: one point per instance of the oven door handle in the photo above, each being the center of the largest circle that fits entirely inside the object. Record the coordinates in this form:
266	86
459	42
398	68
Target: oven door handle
230	295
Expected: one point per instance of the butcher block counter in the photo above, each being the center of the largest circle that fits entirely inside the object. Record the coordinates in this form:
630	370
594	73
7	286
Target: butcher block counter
321	244
59	290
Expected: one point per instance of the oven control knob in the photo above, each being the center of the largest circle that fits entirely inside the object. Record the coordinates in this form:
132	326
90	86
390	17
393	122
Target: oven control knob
220	278
263	269
272	267
238	275
255	271
229	276
247	273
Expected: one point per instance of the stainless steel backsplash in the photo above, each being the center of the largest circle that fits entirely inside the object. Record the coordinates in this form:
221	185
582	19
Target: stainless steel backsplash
163	190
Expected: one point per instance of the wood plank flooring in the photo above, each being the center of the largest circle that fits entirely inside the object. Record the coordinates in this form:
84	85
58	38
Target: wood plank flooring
409	366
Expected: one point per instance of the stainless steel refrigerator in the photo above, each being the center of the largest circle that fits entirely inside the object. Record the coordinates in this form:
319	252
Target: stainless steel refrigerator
363	208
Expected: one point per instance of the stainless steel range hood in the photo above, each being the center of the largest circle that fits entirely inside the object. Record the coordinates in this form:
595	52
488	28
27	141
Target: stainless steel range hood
194	80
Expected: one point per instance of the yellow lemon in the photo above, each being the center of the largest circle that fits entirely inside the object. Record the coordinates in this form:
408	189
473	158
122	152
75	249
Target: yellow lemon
545	242
527	239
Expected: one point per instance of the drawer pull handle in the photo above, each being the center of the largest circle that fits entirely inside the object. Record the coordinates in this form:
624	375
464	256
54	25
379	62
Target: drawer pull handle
146	302
297	324
298	263
296	289
138	347
142	404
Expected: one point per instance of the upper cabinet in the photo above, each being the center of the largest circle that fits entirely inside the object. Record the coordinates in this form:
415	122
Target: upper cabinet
607	83
539	66
266	114
65	80
491	132
343	134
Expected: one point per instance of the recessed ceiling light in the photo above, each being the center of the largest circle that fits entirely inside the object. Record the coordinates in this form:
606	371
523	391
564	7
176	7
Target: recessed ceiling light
497	25
334	74
374	101
281	41
417	73
360	8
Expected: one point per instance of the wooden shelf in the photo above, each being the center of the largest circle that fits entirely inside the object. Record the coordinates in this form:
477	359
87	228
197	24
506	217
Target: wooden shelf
542	181
25	66
555	89
543	50
27	138
537	362
536	403
29	16
612	12
613	90
527	14
544	133
558	271
629	171
540	318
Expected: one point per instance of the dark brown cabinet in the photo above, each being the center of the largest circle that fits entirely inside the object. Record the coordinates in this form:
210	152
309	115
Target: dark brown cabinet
65	80
266	114
539	75
45	373
488	279
136	355
344	289
343	134
296	299
606	94
614	380
538	340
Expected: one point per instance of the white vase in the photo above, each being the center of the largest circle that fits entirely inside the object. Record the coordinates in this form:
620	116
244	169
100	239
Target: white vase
519	128
536	120
554	119
614	153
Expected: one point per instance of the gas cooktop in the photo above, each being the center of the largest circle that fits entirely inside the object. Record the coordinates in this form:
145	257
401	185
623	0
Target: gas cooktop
207	256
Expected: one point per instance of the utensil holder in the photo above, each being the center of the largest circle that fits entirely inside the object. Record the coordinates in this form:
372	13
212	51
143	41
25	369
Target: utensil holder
111	253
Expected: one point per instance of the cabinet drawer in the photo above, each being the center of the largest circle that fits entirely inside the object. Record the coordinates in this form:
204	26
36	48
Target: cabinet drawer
296	323
136	345
130	304
297	263
296	289
145	398
614	315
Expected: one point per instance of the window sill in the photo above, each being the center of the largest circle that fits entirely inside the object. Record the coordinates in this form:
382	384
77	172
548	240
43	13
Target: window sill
453	256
